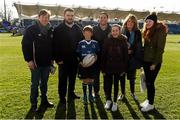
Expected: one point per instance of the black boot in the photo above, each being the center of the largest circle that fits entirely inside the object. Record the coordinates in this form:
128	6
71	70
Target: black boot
34	108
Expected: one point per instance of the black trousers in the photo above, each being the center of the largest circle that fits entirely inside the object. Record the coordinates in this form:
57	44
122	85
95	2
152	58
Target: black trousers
123	82
109	79
150	80
67	74
131	76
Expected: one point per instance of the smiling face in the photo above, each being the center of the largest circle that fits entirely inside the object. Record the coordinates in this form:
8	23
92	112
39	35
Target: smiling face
87	35
115	31
69	17
103	20
44	19
149	23
130	25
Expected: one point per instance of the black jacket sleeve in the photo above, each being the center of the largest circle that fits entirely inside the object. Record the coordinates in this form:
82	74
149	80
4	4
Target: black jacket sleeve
78	51
80	37
125	52
27	45
138	53
104	55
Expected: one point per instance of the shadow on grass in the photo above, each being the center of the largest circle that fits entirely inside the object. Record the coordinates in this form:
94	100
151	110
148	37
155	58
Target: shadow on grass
155	113
60	111
40	112
38	115
86	112
93	112
30	114
133	113
117	115
71	112
101	110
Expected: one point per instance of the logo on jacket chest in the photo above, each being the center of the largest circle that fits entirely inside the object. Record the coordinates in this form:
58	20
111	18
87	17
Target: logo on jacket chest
51	35
39	34
83	46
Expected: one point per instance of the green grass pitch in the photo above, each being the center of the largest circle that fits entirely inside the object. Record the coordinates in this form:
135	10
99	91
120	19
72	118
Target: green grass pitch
15	88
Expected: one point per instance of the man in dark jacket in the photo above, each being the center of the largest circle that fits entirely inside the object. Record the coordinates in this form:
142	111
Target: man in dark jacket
100	33
37	51
66	38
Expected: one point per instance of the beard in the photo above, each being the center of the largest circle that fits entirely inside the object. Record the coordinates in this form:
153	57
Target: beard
69	21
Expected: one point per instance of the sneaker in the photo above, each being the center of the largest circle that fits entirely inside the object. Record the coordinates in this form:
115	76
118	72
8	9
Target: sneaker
147	108
85	100
144	103
108	104
121	97
134	96
114	107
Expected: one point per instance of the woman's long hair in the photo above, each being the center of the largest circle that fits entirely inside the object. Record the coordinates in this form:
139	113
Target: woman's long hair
134	19
148	33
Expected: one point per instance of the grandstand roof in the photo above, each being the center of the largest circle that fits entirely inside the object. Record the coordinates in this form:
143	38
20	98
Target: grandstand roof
31	10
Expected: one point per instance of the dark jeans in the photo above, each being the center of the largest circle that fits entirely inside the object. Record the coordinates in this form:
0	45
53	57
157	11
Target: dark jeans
122	81
150	80
109	79
131	76
67	74
39	76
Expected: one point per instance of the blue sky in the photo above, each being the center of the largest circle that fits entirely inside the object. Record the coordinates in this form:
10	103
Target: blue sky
157	5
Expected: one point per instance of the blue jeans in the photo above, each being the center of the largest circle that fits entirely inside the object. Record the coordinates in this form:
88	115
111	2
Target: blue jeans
40	76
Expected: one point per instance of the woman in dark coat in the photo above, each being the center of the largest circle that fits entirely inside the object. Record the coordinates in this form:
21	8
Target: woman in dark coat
114	63
154	35
134	38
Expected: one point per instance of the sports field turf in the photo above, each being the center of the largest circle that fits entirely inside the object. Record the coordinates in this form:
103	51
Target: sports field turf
15	84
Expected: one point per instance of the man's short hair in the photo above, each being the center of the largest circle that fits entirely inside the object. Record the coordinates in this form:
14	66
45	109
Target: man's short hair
68	9
44	12
104	13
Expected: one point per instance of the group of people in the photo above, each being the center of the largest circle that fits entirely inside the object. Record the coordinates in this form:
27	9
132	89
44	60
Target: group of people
120	51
